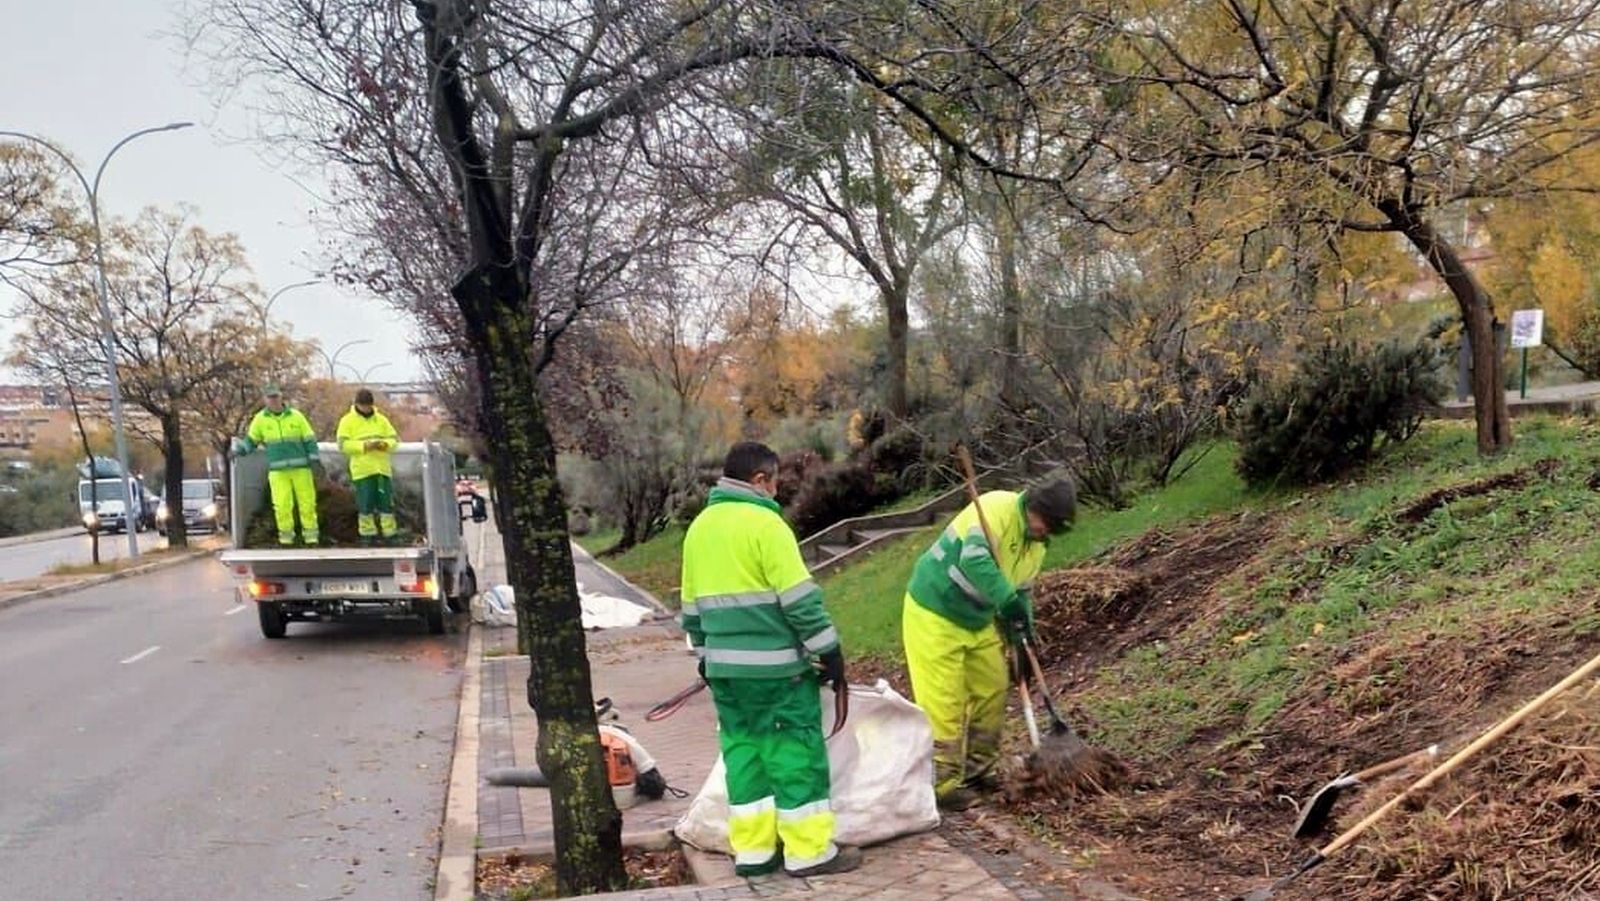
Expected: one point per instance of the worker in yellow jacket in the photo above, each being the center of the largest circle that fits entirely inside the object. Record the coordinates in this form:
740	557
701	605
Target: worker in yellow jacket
960	588
756	619
291	447
367	439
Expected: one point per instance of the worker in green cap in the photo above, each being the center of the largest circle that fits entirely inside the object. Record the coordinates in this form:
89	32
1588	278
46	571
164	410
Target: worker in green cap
368	439
291	447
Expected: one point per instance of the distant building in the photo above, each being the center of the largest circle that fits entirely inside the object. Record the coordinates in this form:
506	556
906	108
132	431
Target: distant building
413	397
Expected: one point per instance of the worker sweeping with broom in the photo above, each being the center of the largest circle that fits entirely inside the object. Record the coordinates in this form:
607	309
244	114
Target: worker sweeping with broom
963	590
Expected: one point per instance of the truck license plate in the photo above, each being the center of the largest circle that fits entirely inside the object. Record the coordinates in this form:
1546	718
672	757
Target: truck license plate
346	587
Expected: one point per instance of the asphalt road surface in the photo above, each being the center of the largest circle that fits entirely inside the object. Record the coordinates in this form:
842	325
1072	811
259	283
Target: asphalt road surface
35	558
154	745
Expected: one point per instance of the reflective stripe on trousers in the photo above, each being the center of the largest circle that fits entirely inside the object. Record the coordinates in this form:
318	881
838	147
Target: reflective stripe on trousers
771	736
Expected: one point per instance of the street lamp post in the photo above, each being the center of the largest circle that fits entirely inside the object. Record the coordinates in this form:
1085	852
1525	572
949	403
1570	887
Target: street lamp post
364	375
267	309
333	361
133	507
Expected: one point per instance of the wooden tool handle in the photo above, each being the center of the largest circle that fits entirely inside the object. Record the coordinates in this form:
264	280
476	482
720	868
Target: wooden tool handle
1461	756
972	492
1389	766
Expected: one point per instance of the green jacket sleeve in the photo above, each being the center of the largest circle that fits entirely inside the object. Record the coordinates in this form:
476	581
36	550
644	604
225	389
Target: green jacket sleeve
253	437
977	571
799	596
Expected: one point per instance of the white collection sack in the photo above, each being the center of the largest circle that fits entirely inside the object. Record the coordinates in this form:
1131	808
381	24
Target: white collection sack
496	607
882	774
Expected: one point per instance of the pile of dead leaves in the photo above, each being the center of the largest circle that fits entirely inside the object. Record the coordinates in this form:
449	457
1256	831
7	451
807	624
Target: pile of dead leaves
336	516
516	877
1520	820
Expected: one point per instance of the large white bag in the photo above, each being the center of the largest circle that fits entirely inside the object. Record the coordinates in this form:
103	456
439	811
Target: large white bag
882	773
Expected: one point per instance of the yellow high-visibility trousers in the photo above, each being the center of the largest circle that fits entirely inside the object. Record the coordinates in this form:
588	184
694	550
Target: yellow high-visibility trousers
959	679
291	489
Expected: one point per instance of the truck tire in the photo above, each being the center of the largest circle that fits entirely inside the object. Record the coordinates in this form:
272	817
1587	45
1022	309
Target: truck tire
434	614
466	586
273	622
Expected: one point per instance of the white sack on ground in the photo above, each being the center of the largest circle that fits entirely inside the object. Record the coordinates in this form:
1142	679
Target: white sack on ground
882	770
496	607
602	611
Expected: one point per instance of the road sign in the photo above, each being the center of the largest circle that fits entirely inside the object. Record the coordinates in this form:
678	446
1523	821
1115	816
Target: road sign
1527	328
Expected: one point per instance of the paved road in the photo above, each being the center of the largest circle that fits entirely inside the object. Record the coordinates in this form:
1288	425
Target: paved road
153	745
25	561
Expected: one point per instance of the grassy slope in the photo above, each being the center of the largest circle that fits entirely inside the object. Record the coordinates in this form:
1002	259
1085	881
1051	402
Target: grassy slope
1399	591
865	598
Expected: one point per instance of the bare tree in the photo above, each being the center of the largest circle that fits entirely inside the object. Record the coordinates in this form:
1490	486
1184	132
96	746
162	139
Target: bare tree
180	322
1371	116
554	121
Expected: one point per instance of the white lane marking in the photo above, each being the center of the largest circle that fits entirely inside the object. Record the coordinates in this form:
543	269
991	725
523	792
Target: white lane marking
143	654
238	609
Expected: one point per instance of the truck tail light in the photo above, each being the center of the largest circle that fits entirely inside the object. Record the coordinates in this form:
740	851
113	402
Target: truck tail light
421	586
261	588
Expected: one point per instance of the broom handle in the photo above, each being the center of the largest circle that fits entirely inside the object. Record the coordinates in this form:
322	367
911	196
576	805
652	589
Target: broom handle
1028	715
1478	744
972	492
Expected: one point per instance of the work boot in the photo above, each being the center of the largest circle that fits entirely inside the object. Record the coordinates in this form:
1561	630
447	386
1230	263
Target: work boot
846	860
957	800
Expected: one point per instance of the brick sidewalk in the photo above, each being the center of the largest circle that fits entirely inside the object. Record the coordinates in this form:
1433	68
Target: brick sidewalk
636	668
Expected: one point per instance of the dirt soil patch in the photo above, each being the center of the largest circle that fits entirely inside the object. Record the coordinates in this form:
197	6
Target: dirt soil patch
1149	590
516	878
1522	820
1424	506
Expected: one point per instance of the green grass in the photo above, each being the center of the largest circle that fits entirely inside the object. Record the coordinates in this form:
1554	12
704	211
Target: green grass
864	598
1342	568
598	540
655	565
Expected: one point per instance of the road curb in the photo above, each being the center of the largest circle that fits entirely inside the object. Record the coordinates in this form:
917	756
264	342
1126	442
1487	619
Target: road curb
92	581
37	537
654	601
457	875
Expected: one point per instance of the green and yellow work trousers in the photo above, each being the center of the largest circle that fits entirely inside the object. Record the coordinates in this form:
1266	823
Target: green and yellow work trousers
958	678
293	488
375	506
772	746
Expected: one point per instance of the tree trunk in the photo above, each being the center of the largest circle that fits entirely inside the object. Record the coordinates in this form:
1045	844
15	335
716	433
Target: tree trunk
531	514
1010	313
896	393
1477	312
172	449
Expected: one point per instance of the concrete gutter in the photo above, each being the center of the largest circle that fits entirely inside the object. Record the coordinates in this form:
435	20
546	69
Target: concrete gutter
165	562
457	875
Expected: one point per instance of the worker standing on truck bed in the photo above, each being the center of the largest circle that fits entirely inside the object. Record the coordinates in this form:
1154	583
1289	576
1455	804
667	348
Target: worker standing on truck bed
959	588
291	447
756	619
367	439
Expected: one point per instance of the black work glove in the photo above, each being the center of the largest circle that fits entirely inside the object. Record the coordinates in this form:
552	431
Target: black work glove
700	667
833	668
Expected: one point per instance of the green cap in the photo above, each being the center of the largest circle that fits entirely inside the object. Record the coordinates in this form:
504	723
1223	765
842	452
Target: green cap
271	389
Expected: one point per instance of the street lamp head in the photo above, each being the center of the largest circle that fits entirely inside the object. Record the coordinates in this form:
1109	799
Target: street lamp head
174	126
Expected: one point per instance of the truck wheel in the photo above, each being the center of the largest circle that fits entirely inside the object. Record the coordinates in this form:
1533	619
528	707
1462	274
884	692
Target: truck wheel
273	623
434	613
466	587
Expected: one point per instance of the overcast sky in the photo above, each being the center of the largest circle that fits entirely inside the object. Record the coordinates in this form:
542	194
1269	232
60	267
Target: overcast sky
84	73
